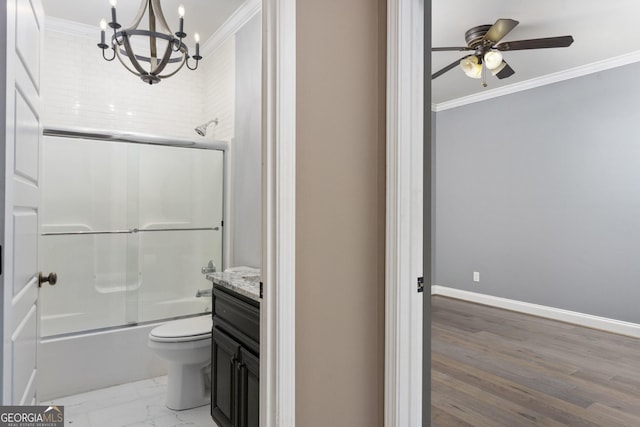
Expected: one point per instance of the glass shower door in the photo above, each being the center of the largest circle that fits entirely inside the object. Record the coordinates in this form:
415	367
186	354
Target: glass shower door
127	227
84	234
180	228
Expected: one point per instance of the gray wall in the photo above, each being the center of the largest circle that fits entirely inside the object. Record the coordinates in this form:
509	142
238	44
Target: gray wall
245	197
539	191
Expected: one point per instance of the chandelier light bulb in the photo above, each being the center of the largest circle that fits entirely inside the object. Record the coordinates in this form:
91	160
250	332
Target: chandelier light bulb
113	3
181	34
197	56
103	26
492	59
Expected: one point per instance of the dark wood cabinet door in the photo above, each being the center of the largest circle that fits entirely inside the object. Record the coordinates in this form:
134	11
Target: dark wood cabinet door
225	356
248	390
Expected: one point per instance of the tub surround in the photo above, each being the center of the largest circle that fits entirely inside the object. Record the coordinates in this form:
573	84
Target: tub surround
242	280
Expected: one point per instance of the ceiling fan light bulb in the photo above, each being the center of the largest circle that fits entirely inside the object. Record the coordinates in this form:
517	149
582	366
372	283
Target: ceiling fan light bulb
493	59
470	66
475	72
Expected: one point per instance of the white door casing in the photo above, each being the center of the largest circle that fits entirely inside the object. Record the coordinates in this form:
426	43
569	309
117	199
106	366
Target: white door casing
277	310
22	23
404	227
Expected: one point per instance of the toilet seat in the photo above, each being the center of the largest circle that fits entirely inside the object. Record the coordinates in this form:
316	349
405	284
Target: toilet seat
191	329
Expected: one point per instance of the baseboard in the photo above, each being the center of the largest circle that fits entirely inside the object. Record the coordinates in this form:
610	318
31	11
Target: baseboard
573	317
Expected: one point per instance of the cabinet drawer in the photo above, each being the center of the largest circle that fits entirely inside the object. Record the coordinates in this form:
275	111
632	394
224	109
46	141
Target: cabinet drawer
238	316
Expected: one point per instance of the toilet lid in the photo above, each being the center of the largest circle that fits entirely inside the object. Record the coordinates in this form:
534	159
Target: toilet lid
193	327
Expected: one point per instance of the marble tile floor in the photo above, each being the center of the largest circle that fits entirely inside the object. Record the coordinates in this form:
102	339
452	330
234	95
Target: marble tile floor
136	404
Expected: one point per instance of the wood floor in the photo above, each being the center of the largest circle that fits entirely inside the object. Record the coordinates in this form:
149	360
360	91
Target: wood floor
492	367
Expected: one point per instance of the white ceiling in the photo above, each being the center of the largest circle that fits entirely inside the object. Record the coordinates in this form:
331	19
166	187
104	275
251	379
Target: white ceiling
601	30
202	17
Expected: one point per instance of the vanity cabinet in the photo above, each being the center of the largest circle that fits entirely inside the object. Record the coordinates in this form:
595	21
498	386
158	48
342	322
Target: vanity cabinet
235	371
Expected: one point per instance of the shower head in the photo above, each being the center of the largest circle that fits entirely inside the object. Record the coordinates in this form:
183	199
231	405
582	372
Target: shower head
202	129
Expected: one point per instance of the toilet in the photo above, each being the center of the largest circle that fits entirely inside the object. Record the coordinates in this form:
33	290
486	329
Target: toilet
186	345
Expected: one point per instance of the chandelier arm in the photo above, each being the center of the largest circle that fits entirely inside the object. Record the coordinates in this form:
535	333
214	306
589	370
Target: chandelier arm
178	44
136	21
112	58
125	65
189	67
184	60
165	60
153	46
159	15
132	57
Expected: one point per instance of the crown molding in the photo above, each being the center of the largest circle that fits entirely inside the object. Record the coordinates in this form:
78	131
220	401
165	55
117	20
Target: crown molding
572	73
245	12
71	27
241	16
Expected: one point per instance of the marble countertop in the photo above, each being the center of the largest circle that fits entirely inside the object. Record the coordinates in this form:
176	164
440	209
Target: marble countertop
242	280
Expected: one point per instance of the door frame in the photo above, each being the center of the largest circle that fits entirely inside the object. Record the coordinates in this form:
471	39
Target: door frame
404	310
277	310
404	395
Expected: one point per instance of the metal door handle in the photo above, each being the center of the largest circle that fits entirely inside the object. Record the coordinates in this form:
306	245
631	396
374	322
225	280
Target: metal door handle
52	278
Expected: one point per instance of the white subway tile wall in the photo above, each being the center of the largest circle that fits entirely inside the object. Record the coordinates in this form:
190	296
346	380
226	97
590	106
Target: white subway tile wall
82	90
219	90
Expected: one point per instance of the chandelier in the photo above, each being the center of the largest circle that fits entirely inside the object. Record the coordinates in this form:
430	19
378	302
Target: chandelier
152	53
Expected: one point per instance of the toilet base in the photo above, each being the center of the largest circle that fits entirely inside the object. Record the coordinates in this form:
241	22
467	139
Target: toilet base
188	386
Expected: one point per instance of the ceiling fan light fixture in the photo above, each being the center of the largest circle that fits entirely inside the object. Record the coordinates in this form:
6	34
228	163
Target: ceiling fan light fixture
485	43
471	67
493	59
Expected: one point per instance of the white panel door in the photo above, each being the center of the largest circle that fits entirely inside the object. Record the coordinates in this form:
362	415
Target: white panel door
21	23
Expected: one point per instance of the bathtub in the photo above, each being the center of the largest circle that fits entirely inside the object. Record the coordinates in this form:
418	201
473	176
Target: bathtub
85	361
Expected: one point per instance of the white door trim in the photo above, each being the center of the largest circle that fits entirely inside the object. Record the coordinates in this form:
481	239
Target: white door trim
277	314
403	304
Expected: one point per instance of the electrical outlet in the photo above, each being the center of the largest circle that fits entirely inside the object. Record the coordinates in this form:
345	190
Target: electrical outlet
476	276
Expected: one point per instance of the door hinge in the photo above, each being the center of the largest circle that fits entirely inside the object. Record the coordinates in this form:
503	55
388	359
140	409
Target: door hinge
420	284
261	286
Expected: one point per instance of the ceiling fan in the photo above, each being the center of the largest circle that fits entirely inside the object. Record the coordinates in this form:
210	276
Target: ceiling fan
484	41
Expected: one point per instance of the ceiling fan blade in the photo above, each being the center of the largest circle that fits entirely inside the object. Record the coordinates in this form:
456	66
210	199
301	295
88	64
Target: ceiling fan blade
505	72
449	49
448	67
544	43
501	28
